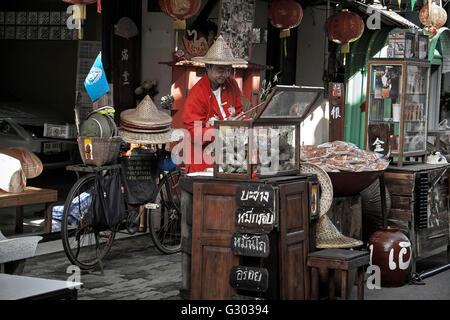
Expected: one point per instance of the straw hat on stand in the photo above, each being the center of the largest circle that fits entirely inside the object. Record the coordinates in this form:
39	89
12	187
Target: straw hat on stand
220	53
146	124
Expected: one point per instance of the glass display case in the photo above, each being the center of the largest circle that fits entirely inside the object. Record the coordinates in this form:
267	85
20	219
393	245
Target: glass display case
268	144
397	95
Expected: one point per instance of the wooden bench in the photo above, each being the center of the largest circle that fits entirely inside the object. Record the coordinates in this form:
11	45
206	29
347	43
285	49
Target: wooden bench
337	259
30	195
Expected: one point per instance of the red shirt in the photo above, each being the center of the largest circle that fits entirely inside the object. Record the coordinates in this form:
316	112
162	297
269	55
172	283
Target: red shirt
201	105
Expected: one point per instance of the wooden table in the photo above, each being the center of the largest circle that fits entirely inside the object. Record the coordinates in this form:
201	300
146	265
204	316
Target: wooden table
14	287
30	195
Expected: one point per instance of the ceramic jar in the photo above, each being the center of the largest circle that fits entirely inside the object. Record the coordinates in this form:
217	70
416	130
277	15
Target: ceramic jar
390	250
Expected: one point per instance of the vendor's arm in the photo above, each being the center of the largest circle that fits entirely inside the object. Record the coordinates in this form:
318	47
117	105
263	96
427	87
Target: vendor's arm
195	113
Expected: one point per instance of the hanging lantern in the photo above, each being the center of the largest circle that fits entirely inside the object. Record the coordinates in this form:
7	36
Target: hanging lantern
433	16
285	15
180	10
79	11
344	27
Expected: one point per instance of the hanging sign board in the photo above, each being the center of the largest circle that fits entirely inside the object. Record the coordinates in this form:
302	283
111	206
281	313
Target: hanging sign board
255	195
249	278
251	245
255	220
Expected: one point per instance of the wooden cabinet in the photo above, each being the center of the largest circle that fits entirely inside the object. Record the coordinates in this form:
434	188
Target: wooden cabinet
419	206
214	223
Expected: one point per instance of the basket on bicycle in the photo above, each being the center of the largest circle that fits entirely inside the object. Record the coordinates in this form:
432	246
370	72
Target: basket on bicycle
99	151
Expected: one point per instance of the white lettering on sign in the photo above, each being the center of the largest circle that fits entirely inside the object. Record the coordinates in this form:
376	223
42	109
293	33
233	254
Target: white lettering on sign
125	76
377	145
256	218
250	275
250	242
262	195
335	112
125	55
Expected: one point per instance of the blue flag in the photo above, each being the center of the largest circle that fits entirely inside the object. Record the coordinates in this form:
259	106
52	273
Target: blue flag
96	83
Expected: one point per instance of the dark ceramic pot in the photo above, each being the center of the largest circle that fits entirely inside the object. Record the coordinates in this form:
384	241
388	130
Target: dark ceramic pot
390	250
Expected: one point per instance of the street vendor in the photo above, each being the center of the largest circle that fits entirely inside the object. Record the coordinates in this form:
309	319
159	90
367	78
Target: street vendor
216	96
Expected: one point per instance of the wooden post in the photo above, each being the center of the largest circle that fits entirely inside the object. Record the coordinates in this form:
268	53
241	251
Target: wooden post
336	94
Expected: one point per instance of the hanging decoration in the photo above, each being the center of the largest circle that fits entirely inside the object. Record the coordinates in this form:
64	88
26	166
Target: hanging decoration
180	10
413	3
79	12
285	15
433	16
344	27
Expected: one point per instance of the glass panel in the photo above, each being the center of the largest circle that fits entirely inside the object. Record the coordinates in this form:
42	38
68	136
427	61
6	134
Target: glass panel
275	149
385	91
415	109
231	149
289	103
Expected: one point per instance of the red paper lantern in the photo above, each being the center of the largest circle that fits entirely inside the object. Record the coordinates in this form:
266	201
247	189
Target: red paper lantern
432	16
285	15
180	10
344	27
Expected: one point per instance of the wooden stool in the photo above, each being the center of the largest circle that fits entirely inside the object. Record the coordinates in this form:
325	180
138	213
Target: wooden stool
340	259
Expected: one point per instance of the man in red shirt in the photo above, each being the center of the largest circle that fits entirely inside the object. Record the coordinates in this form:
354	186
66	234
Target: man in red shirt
202	105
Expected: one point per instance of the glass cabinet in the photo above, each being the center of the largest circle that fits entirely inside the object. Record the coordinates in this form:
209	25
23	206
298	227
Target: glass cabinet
267	145
397	95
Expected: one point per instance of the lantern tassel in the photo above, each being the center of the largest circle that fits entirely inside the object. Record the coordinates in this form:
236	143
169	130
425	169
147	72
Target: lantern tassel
283	35
99	6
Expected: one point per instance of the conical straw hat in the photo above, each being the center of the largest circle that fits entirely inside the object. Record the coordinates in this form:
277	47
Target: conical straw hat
219	53
328	236
145	116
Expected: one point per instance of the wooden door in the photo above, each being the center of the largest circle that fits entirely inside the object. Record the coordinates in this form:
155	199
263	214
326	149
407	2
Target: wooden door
213	225
293	241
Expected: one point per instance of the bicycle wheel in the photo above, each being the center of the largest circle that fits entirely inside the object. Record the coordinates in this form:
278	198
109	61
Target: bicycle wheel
165	222
83	245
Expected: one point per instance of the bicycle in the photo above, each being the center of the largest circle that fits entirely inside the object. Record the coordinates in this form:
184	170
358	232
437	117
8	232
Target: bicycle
86	247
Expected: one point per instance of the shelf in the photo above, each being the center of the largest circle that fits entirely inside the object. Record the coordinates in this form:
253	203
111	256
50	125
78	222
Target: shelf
390	121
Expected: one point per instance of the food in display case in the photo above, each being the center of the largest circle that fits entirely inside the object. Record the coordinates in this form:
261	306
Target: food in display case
272	138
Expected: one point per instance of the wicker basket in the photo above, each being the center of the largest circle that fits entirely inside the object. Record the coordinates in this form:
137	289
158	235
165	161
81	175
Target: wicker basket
326	187
98	151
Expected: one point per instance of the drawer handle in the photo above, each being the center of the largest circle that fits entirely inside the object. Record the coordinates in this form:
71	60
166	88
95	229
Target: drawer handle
438	236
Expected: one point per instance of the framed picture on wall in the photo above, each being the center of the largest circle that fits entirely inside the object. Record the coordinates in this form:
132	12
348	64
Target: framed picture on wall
2	32
10	17
2	17
21	17
236	25
32	18
32	32
43	33
21	33
55	17
43	18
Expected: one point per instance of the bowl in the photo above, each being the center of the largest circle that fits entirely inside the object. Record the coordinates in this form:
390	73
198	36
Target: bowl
352	183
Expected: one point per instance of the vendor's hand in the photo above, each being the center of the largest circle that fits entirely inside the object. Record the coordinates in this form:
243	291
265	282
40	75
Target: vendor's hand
211	120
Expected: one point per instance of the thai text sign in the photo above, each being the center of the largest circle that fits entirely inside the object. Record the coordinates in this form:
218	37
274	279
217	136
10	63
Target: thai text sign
251	245
255	195
255	220
249	278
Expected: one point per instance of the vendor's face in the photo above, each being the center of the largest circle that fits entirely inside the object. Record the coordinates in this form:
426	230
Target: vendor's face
217	74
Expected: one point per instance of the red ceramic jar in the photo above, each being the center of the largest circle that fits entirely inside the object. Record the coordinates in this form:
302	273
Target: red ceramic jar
390	250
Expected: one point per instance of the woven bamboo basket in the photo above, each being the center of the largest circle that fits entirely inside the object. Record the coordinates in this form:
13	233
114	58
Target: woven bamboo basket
98	151
327	235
